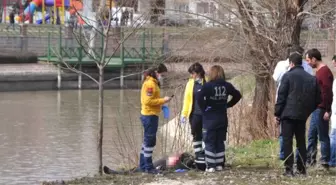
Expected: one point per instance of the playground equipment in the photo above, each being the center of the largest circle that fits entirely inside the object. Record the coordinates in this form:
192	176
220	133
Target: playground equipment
40	11
58	6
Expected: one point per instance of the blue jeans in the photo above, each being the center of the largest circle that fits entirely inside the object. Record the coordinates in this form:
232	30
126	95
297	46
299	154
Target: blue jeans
281	154
150	125
333	148
318	130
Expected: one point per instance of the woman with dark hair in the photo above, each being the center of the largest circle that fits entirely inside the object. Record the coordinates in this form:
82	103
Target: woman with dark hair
151	105
213	101
191	109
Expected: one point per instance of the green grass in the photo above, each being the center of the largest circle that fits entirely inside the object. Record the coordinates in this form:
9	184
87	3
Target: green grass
256	154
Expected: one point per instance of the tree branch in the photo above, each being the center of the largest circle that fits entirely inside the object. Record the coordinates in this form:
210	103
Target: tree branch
316	5
74	69
316	15
125	76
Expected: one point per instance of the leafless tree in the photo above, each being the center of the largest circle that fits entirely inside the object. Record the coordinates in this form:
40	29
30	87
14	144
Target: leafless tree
100	28
265	29
269	26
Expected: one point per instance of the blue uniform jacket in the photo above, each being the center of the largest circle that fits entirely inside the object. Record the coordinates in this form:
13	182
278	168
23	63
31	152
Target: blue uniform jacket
213	101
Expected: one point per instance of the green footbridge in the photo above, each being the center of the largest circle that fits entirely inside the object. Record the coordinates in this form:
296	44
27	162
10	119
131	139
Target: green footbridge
123	49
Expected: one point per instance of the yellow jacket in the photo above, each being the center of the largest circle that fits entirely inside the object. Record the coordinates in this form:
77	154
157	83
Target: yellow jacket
188	98
150	97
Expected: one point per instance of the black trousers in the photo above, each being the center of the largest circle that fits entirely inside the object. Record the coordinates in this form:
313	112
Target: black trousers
289	129
196	124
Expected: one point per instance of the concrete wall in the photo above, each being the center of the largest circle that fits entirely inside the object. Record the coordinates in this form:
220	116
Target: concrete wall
33	77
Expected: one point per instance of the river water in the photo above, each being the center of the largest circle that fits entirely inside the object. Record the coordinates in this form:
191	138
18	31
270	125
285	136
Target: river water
52	135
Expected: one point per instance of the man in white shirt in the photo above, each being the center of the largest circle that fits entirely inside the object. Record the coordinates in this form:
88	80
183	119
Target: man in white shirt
283	66
280	69
332	162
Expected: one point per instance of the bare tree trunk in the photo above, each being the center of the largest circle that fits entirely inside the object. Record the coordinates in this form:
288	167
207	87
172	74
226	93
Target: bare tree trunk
101	118
296	33
101	67
297	7
260	102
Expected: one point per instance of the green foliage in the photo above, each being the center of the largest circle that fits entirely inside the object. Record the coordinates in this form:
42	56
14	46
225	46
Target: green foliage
262	153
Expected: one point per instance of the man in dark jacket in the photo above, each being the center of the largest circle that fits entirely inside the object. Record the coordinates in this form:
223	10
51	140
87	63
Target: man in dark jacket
298	96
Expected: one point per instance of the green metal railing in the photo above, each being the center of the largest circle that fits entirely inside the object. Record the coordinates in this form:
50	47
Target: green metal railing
79	52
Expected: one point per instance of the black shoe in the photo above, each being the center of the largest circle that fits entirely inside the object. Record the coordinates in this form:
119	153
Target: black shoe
107	170
288	173
325	166
153	171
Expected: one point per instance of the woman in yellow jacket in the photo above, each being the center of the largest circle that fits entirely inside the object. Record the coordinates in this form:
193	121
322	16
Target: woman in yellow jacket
151	104
191	109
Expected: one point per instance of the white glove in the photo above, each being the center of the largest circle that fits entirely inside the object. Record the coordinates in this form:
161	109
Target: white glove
183	120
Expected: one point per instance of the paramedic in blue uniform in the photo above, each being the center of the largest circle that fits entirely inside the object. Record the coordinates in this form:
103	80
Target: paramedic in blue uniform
213	101
191	109
151	105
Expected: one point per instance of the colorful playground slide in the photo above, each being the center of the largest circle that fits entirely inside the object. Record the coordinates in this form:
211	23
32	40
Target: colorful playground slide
46	18
72	5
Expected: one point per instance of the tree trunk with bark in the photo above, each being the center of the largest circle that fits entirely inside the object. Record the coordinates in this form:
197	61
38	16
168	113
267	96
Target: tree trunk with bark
101	119
260	103
268	36
101	67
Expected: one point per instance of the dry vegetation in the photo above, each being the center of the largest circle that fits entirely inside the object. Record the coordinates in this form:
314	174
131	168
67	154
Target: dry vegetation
253	46
255	163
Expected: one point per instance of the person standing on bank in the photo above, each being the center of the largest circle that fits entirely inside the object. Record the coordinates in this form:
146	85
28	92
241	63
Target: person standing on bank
213	101
298	97
280	69
11	20
332	162
319	123
151	104
190	109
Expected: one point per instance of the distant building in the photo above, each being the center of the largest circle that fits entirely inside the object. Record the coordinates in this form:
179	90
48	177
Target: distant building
196	8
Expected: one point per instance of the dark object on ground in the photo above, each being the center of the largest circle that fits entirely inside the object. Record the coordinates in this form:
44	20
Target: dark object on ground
108	170
184	161
17	57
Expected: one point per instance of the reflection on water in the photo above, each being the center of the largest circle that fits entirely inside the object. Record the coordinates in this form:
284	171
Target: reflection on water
52	135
